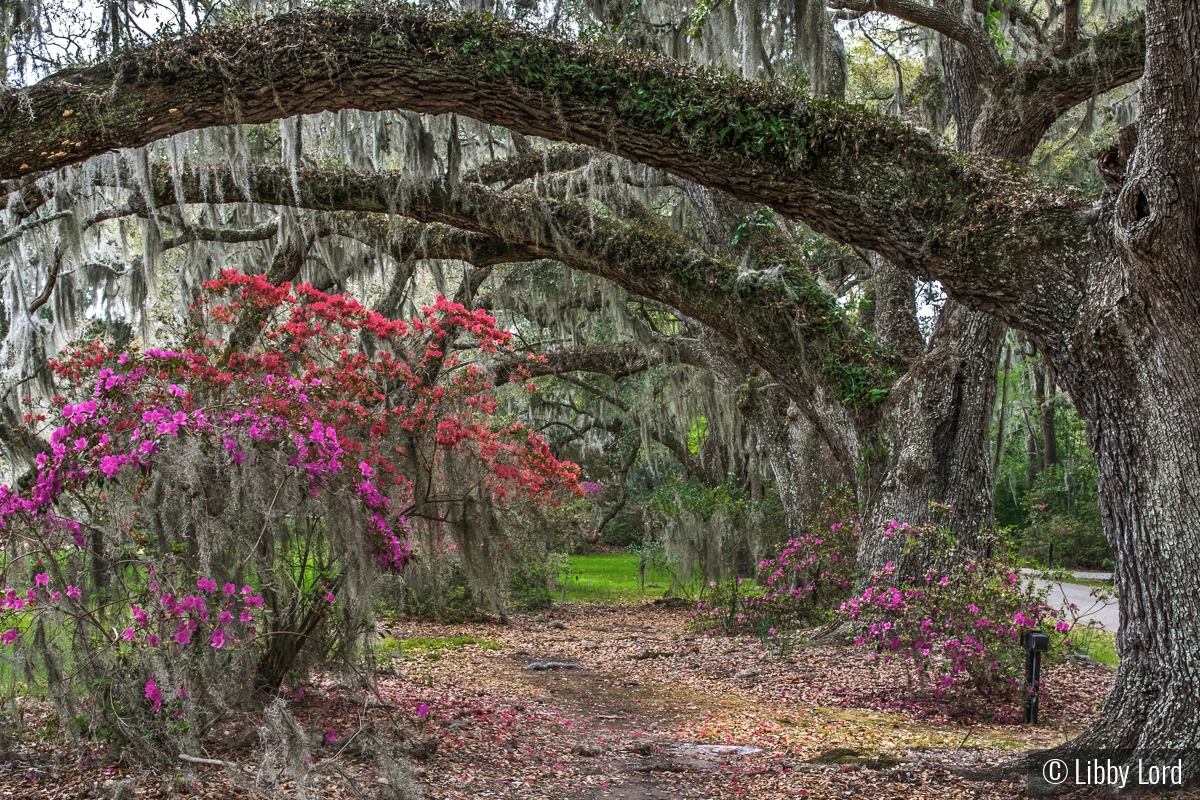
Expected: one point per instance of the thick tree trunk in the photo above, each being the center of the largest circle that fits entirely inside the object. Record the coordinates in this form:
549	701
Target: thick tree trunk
894	311
937	422
962	89
937	425
1147	443
803	467
1135	374
1070	24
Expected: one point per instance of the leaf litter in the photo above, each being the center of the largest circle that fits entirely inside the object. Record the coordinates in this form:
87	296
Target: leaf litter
601	701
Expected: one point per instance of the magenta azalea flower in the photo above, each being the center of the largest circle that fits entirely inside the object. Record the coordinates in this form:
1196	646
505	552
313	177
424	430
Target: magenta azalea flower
154	694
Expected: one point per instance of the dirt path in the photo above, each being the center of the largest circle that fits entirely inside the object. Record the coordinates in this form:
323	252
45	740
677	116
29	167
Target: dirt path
650	711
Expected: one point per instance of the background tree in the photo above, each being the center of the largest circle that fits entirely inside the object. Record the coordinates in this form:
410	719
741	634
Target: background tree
1046	481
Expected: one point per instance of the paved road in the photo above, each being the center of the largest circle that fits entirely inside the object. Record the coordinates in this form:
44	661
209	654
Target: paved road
1061	594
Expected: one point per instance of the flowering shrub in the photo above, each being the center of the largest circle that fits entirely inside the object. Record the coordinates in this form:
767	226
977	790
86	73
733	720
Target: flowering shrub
203	513
798	586
955	626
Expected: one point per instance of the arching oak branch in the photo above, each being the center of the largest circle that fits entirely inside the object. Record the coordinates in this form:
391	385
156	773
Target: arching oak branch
862	179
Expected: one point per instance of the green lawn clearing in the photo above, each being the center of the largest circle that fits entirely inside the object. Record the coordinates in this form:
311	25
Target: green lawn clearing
609	578
430	649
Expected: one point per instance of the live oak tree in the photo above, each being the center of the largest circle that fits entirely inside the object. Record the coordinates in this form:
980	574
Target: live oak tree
909	429
1106	290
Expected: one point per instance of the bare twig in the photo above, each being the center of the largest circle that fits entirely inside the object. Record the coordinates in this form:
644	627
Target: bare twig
215	762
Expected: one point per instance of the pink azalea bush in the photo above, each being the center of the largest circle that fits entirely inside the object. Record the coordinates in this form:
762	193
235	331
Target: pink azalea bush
799	585
205	517
957	626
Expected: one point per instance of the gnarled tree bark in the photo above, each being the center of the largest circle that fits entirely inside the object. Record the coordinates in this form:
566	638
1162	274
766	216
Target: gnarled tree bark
1133	369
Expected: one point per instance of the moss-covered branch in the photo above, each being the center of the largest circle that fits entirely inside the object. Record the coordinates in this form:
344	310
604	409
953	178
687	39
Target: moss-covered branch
614	362
776	314
874	182
522	167
1033	96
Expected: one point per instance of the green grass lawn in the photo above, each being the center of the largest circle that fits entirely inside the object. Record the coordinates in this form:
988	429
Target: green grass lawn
1102	646
430	649
611	578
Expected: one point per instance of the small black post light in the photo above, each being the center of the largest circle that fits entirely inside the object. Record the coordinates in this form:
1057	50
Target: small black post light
1035	643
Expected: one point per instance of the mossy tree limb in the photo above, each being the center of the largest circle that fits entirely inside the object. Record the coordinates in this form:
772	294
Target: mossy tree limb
776	315
990	235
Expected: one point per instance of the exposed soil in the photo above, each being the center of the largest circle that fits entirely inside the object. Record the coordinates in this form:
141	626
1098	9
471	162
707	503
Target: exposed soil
645	710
